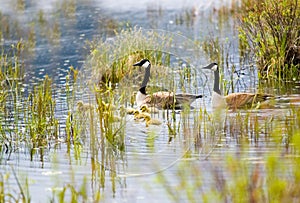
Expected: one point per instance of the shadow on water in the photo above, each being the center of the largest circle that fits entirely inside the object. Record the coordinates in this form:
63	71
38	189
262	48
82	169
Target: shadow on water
65	136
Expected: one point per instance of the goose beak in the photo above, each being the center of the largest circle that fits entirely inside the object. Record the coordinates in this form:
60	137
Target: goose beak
144	62
137	64
212	66
207	67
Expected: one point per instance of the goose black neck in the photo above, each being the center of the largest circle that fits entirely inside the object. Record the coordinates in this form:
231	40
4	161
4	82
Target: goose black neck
146	80
143	90
217	82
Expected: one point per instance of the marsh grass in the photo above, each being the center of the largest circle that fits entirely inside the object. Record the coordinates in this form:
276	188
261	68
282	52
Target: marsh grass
12	76
8	195
42	125
234	177
113	62
270	29
71	193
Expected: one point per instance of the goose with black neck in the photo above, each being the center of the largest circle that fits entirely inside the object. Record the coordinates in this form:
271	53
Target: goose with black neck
162	99
233	100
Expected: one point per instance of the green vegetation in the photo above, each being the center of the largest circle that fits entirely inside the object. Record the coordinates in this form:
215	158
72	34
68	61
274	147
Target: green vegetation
41	124
110	62
236	177
270	29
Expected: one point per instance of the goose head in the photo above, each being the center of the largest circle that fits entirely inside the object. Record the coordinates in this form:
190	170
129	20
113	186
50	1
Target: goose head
212	66
145	63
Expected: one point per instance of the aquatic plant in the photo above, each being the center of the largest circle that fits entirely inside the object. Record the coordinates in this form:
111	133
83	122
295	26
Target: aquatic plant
270	29
111	63
42	125
235	177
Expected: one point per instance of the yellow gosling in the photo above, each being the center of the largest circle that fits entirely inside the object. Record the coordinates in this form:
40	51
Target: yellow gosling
145	109
130	110
83	107
150	121
139	115
268	104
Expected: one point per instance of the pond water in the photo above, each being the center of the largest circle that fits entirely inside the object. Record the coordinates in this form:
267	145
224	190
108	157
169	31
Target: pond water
155	165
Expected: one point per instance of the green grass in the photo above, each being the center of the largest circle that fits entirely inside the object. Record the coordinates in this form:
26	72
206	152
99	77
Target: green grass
234	177
110	63
270	30
42	125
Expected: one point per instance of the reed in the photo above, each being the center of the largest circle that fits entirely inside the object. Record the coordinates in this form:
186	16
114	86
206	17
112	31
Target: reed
42	125
234	177
269	29
112	63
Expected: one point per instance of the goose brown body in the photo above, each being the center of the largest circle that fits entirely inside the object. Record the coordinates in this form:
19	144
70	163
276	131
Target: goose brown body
241	100
167	100
162	100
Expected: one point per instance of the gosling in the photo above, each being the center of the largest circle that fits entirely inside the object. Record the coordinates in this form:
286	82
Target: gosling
144	108
140	115
150	121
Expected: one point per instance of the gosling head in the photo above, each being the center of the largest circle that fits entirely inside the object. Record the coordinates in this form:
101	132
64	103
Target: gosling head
144	108
136	112
80	104
147	118
212	66
143	63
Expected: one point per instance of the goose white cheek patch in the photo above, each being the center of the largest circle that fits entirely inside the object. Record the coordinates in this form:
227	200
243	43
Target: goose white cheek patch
146	64
214	68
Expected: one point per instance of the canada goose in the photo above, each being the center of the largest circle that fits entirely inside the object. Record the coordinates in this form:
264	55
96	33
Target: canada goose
150	121
163	99
233	100
144	108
